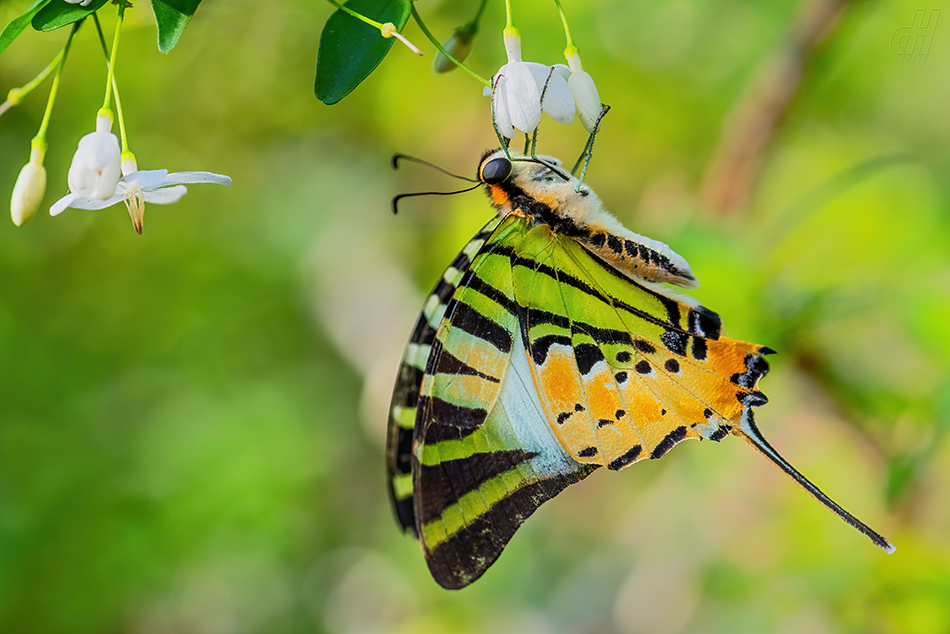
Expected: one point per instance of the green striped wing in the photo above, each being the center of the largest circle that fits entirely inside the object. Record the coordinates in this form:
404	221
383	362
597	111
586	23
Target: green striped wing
405	399
483	457
625	370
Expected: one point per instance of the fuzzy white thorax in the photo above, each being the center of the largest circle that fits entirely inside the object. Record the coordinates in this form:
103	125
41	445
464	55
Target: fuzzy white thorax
582	206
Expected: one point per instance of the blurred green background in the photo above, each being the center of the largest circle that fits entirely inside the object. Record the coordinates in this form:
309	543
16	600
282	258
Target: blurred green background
192	421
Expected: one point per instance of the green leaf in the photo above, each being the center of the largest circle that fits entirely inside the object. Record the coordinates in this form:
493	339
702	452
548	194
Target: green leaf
60	13
171	18
350	49
15	27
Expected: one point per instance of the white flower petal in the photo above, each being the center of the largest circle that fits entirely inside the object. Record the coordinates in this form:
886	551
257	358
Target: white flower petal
94	204
177	178
500	109
62	204
558	98
586	98
96	166
563	71
145	179
522	96
165	195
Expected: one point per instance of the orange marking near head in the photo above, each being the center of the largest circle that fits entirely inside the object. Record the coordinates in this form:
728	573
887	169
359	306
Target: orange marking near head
498	195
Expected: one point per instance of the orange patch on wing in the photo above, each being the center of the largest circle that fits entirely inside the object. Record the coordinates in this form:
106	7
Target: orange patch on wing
559	379
561	392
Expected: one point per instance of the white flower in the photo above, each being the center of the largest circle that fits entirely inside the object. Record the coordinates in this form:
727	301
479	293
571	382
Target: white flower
139	187
585	93
29	189
517	89
82	3
94	172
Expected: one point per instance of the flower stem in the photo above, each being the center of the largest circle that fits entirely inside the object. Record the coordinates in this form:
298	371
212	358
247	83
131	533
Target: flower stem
39	141
16	95
115	49
386	30
571	49
478	16
441	49
115	86
118	109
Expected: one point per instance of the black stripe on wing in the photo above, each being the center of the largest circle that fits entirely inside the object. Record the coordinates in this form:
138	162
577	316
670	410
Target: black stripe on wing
409	380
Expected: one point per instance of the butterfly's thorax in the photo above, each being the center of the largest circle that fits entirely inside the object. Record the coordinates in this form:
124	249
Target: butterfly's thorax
573	211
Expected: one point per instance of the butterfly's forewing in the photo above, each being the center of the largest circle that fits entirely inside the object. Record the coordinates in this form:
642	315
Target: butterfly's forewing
625	371
484	457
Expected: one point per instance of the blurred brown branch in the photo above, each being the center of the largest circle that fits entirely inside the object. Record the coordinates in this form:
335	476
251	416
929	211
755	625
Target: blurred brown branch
750	126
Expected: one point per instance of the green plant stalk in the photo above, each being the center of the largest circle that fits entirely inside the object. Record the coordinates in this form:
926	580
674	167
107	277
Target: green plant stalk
115	87
383	30
441	49
115	50
356	15
571	49
478	16
39	141
16	95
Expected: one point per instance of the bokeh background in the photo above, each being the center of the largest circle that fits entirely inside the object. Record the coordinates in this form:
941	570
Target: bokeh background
192	421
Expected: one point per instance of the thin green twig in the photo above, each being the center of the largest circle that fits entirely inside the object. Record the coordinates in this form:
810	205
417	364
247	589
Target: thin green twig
448	56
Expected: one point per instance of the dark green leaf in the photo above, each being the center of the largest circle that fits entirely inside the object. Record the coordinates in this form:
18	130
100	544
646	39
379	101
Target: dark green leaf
350	49
16	25
60	13
171	18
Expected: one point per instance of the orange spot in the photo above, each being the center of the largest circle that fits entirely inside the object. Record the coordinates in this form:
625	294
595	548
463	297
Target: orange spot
498	195
603	401
559	378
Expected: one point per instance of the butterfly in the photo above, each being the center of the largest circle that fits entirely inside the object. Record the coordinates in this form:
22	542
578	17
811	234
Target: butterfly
554	345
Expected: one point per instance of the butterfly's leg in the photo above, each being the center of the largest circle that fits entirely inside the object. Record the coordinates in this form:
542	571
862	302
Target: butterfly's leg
534	136
533	142
588	148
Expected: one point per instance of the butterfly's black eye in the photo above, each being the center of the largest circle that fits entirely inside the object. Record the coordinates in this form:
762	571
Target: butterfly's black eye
496	171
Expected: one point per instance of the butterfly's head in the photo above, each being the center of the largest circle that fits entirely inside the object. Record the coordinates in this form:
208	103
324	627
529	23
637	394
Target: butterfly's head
513	183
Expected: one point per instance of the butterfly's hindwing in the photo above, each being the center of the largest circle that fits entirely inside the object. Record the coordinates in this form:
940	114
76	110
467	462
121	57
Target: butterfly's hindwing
484	456
624	371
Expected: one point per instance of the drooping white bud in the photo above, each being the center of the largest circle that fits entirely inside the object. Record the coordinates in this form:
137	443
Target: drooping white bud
29	190
586	97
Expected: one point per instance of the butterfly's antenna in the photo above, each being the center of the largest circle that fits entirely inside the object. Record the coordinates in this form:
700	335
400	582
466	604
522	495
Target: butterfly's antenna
396	199
754	437
413	159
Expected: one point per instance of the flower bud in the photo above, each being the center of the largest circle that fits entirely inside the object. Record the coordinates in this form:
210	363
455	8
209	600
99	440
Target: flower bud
585	92
28	191
94	172
458	46
129	165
